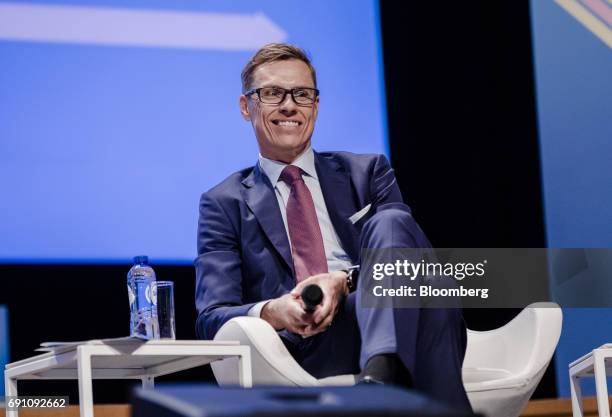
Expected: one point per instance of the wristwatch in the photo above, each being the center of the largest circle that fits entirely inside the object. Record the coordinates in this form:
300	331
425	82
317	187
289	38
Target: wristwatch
352	273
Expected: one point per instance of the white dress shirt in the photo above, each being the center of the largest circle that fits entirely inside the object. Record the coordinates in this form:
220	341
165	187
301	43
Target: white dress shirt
337	259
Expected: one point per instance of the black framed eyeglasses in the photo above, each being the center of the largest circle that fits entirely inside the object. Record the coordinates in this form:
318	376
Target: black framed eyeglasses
276	95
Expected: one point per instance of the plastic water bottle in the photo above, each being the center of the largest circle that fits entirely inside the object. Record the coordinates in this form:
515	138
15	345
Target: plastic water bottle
142	315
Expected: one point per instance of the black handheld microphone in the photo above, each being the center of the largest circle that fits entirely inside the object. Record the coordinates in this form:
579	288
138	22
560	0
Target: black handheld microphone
312	297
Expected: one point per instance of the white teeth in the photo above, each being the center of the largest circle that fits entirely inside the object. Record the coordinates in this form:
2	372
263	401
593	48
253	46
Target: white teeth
288	123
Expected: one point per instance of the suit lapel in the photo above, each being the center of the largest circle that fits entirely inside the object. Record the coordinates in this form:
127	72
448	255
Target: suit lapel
260	197
337	192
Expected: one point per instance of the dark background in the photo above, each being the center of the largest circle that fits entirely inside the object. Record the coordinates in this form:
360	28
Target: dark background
463	139
462	126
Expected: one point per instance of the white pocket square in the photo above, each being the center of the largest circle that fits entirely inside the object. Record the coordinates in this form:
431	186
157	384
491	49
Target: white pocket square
355	217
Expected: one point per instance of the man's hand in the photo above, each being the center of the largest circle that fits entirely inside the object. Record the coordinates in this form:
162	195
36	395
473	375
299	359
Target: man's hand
287	312
334	288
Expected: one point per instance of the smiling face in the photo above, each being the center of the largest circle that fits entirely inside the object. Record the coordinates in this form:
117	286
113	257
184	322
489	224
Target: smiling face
283	130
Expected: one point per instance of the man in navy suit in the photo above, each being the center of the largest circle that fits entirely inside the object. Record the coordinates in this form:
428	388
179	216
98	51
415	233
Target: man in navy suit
300	217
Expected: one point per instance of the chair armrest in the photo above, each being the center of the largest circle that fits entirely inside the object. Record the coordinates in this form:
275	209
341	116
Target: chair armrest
271	362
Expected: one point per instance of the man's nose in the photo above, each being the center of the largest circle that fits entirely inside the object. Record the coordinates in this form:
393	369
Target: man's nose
288	106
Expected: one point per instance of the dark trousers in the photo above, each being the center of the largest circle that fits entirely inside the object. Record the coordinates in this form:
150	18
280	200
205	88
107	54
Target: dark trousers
430	342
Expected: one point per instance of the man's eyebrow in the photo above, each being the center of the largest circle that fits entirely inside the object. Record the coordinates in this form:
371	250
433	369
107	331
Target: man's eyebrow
286	88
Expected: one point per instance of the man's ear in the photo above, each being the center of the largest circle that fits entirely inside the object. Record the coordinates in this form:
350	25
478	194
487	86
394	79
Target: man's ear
244	108
316	108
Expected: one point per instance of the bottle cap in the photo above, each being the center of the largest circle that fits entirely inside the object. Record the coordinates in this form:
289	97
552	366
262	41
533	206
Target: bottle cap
141	260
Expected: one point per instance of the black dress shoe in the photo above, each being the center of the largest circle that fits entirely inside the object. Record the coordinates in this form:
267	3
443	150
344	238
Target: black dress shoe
385	369
380	369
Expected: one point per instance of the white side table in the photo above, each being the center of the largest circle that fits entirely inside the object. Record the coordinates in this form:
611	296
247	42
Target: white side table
123	359
592	364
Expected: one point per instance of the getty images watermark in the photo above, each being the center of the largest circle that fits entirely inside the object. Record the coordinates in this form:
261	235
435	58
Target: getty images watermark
485	277
416	270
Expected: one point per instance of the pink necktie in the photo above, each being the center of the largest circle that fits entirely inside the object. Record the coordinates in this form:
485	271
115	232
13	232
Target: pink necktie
306	240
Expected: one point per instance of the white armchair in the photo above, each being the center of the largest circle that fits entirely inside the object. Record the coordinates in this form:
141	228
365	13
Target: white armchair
501	370
503	367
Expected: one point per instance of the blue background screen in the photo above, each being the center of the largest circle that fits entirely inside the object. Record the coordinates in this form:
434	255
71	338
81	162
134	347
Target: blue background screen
107	138
573	66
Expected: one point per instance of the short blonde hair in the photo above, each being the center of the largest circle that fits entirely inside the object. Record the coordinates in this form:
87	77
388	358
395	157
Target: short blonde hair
270	53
